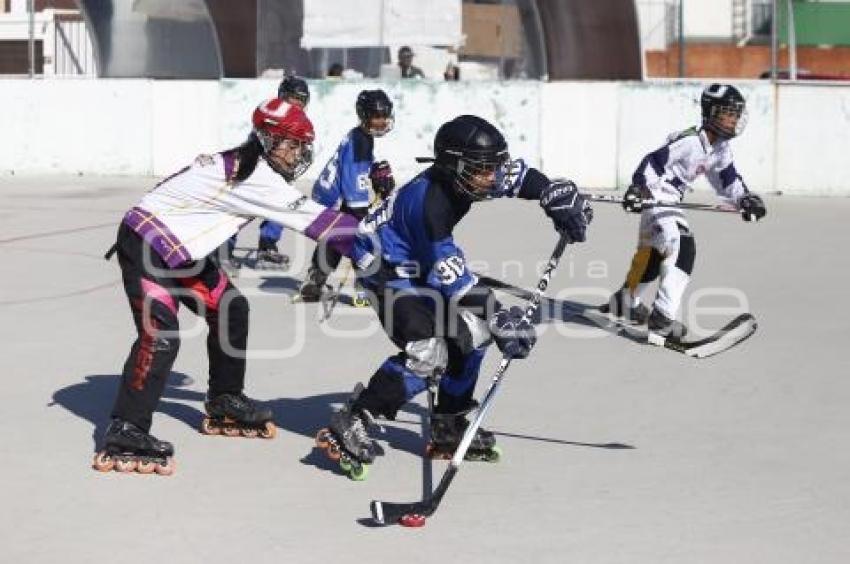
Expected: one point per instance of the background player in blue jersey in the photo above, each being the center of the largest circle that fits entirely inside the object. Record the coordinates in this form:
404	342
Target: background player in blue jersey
429	303
292	90
345	181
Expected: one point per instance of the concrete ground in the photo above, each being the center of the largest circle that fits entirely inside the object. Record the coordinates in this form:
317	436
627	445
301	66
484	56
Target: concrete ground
614	452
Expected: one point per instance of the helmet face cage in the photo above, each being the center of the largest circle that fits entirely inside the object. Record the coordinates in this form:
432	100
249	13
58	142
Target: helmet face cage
721	104
271	142
375	104
471	168
276	122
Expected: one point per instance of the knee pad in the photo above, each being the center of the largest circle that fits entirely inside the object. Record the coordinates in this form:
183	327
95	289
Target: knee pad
666	234
426	357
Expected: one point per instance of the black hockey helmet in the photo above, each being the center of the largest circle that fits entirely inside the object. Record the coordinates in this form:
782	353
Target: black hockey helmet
374	104
468	147
724	110
294	88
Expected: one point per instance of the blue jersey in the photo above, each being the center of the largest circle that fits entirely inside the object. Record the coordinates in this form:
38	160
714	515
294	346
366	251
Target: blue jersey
345	179
412	231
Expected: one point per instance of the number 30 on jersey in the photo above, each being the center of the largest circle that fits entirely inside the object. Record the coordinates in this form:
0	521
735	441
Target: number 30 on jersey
450	269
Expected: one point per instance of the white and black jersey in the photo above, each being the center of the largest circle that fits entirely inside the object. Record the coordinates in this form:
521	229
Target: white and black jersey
669	171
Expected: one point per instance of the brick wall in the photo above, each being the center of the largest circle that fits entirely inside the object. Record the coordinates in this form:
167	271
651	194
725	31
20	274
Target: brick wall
57	4
713	60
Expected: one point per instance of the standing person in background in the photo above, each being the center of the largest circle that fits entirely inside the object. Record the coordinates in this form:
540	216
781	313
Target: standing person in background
292	90
452	72
345	182
335	71
405	63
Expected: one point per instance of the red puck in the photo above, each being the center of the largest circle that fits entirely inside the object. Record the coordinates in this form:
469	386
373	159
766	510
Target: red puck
412	520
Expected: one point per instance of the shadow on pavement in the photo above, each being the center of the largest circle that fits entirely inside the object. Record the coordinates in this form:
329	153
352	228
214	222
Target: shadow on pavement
92	400
281	284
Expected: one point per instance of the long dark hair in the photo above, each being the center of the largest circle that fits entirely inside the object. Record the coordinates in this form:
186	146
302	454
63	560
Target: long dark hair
246	156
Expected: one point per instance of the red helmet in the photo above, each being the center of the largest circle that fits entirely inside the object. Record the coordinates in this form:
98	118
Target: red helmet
281	119
274	121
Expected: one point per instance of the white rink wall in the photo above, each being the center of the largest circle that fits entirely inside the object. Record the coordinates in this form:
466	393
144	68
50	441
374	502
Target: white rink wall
592	132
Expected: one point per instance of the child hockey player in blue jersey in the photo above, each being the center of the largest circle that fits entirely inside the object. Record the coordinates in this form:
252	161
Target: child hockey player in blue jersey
666	248
345	181
430	304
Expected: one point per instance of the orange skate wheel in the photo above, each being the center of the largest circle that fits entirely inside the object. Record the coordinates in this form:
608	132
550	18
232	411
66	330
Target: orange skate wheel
322	438
231	431
166	469
250	433
208	428
269	431
103	462
146	467
125	465
333	452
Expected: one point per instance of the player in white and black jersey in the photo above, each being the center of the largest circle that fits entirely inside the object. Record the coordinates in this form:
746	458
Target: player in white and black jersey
666	249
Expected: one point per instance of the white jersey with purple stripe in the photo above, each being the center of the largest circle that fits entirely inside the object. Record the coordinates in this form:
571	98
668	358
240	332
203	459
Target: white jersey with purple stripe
191	213
669	171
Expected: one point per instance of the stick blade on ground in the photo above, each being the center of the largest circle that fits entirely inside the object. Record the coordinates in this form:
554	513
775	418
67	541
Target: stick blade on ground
386	513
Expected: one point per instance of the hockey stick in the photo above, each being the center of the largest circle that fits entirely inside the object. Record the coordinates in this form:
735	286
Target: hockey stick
386	513
723	208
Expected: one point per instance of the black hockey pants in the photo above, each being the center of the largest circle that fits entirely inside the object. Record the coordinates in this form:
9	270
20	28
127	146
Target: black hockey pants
154	291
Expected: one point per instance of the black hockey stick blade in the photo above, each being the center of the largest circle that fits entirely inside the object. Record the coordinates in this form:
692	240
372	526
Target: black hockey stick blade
732	334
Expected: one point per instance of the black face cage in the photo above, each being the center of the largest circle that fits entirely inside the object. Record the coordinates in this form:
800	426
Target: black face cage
717	112
270	143
470	167
367	115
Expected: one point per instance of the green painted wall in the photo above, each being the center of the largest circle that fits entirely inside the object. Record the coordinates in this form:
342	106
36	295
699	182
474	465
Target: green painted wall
816	23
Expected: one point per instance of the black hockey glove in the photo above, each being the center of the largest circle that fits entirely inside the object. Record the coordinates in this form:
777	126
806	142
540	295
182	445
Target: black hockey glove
570	211
633	199
514	335
752	207
382	179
